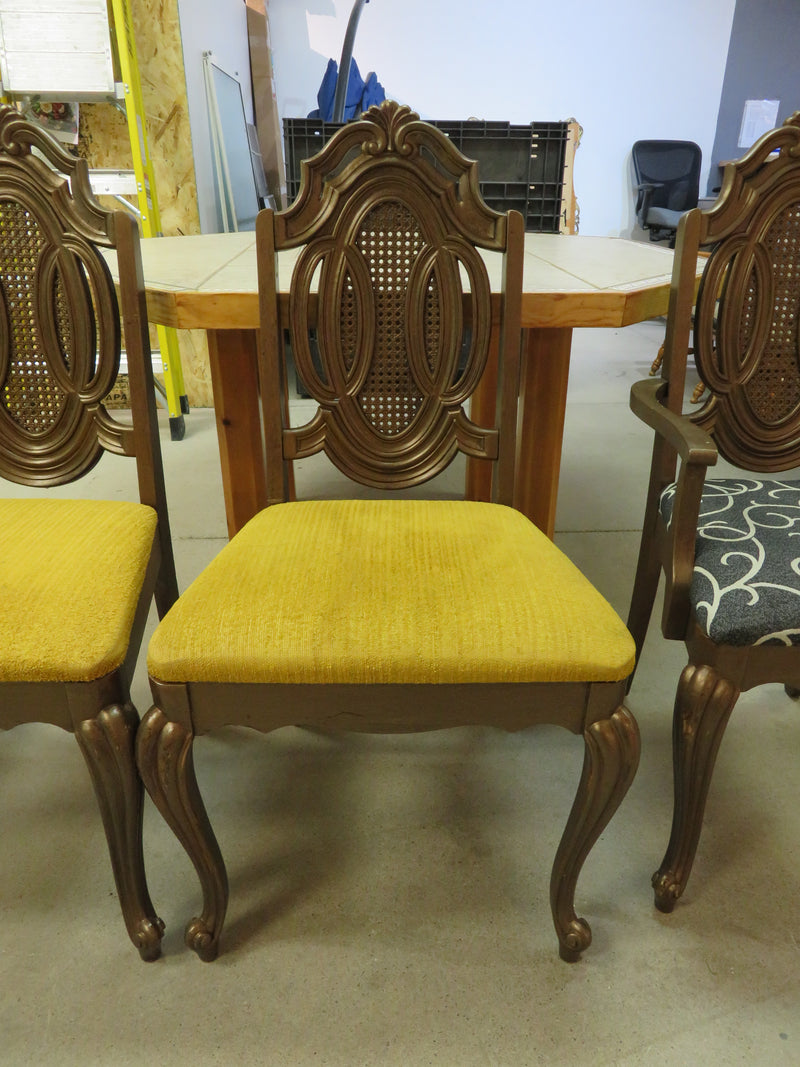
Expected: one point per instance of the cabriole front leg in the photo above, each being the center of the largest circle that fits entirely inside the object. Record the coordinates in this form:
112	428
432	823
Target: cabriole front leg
610	761
164	756
107	743
703	705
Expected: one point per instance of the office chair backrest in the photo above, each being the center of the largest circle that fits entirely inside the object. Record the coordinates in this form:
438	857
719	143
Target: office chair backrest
397	298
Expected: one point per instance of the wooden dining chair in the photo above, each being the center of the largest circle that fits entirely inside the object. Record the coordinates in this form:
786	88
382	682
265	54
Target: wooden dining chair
728	547
389	615
77	576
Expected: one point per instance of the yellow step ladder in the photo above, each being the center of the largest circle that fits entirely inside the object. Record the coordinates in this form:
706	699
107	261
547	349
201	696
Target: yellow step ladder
122	33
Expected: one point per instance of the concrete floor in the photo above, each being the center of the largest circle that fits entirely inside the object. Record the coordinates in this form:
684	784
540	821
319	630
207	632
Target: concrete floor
389	895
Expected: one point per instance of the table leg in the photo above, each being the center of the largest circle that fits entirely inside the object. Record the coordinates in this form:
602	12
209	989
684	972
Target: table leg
543	396
543	393
234	378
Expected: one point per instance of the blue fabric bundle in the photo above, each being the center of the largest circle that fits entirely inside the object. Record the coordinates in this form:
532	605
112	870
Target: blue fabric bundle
360	94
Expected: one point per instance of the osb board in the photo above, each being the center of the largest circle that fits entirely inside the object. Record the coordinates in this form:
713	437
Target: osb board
105	143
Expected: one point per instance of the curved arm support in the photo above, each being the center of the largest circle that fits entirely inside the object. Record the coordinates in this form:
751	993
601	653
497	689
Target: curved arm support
644	194
697	452
679	560
692	444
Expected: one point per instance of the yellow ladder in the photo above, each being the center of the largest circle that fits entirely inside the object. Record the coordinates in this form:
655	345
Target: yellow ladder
122	30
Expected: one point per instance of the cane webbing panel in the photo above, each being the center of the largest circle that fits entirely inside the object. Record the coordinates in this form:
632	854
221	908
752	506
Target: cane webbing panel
390	241
774	391
30	394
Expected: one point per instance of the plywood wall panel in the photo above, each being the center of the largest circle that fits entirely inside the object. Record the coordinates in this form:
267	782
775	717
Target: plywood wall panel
105	143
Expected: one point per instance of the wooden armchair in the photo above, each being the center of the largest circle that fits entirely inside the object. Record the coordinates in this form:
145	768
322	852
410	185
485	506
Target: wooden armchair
728	547
389	615
77	576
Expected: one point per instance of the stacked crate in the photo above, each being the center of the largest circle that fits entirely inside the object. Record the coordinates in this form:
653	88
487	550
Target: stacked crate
520	167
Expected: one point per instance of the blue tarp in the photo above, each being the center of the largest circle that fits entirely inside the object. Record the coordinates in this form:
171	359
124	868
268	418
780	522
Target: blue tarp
360	94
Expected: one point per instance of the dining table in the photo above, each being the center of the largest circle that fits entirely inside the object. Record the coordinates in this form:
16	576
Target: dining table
209	282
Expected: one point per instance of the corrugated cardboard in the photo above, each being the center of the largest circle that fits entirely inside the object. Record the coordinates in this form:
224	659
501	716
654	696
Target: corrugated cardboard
268	124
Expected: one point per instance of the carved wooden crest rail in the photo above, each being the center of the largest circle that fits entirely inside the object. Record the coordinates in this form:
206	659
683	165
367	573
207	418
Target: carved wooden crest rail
396	299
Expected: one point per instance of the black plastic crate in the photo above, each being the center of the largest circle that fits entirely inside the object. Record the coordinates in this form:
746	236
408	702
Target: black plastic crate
520	167
302	139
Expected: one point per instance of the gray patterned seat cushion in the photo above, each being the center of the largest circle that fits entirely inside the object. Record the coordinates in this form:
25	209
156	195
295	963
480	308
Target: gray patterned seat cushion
746	582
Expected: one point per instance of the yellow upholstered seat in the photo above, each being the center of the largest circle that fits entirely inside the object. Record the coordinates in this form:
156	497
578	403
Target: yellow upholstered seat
390	591
71	575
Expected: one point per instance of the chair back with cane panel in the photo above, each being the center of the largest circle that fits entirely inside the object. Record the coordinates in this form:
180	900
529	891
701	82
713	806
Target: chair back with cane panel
78	576
393	291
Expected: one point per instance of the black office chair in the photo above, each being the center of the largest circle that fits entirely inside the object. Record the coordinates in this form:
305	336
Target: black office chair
667	184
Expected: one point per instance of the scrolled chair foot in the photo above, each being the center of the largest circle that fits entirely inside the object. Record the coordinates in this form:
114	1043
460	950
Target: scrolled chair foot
573	940
666	890
147	937
200	939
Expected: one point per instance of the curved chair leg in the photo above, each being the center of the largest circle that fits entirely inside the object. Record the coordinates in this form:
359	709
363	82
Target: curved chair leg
703	705
164	756
107	743
610	762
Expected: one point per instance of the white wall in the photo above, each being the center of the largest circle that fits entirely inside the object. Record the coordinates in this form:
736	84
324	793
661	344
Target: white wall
625	70
219	27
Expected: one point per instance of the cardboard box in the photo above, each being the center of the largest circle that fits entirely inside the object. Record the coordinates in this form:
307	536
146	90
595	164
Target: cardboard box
265	102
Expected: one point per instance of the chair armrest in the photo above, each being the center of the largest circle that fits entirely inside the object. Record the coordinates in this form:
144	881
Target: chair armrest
644	194
693	445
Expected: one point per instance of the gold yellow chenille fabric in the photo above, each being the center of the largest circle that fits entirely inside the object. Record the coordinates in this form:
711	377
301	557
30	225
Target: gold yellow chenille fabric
70	576
401	591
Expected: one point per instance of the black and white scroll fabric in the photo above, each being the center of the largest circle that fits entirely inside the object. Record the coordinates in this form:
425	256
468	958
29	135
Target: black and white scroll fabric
746	582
